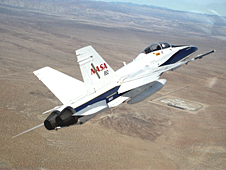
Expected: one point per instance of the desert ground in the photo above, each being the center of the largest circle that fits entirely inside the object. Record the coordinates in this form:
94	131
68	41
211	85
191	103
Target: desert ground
149	135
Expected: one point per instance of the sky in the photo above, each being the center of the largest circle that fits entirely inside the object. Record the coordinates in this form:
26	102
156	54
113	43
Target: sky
215	7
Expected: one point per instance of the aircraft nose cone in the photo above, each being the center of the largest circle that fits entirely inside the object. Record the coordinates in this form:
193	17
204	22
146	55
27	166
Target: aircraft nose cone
184	52
192	49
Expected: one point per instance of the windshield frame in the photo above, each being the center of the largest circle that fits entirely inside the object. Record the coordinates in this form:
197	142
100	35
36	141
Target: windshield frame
156	47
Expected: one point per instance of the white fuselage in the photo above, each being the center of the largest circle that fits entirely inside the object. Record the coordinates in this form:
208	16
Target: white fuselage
153	60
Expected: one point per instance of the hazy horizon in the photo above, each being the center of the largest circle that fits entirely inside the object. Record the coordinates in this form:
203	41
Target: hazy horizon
213	7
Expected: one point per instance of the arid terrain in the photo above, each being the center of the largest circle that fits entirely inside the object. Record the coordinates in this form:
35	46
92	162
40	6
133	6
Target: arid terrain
158	133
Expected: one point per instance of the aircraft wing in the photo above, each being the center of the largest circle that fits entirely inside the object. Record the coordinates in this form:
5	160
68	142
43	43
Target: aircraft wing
138	79
64	87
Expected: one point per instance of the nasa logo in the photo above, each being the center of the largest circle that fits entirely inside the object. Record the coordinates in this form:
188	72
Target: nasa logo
99	68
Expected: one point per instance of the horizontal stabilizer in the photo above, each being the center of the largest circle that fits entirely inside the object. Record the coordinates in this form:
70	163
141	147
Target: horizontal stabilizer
64	87
55	108
84	119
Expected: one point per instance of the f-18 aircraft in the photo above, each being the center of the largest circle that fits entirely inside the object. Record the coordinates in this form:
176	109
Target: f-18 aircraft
103	88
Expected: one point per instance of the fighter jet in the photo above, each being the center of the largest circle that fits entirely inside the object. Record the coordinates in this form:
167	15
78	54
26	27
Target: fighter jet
103	88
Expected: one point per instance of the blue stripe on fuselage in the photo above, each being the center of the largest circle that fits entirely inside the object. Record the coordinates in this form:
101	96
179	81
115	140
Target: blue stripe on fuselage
180	55
108	96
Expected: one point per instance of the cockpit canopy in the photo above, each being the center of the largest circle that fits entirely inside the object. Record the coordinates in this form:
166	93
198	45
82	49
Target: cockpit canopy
156	46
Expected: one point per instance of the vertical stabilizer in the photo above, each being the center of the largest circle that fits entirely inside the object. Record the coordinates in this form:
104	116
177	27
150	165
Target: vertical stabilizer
96	72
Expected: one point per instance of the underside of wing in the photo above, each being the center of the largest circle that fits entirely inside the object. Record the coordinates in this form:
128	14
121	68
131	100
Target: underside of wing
64	87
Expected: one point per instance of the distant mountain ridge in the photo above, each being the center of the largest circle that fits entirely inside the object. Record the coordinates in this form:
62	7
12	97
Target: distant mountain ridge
81	6
126	14
58	6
